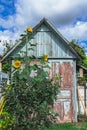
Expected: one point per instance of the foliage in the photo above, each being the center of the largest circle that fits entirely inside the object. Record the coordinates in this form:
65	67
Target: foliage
80	50
31	94
81	80
6	121
85	62
6	67
7	45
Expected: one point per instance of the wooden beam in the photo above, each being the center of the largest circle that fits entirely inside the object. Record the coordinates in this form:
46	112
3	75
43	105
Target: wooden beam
83	103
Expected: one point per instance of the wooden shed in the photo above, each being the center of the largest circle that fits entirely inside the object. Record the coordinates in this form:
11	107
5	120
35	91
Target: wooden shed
62	60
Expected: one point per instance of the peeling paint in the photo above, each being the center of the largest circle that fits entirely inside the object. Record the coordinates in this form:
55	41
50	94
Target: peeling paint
64	102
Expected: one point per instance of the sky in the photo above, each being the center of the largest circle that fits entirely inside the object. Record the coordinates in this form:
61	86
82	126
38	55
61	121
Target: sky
68	16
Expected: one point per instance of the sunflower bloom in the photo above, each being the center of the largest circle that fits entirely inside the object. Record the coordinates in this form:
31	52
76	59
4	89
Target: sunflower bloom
46	57
29	29
17	64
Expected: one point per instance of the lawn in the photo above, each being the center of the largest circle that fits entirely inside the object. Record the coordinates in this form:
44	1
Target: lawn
65	126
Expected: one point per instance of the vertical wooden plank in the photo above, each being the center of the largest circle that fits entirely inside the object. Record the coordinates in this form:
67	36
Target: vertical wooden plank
81	72
85	95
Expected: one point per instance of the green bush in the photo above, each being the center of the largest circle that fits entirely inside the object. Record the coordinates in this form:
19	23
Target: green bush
6	121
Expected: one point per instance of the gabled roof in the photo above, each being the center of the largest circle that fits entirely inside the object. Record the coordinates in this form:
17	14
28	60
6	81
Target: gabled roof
50	25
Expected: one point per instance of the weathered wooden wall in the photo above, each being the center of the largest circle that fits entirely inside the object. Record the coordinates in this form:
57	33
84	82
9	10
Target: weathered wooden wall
64	104
48	43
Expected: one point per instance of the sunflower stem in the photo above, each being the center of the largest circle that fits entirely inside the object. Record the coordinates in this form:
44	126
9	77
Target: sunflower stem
26	45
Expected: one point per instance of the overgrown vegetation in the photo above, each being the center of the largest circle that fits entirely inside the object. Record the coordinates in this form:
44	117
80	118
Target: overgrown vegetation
81	51
30	96
6	121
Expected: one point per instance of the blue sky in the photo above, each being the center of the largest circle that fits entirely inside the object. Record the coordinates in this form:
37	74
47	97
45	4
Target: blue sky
69	17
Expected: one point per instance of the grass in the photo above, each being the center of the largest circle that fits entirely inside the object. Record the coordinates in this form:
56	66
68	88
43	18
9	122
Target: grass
65	126
84	127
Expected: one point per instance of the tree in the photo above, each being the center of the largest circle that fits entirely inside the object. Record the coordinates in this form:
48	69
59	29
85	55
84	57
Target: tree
30	97
85	62
6	65
7	45
81	51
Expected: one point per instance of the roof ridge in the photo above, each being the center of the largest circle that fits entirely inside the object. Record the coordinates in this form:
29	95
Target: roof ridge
54	30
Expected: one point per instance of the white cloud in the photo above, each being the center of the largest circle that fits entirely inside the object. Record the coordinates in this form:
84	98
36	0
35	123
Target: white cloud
60	12
7	23
77	31
27	12
8	35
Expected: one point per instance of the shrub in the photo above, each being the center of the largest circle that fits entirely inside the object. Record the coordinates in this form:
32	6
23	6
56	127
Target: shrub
6	121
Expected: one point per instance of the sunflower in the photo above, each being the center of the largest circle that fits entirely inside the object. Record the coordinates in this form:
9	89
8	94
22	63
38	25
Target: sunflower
17	64
45	57
29	29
